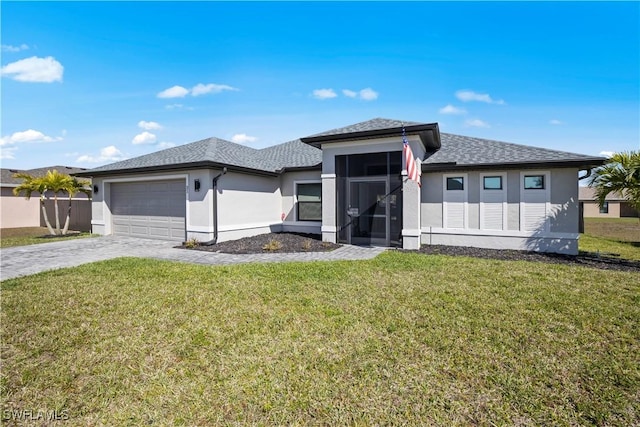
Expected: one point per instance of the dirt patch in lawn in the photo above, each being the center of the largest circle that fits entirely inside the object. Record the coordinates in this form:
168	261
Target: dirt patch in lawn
585	259
270	243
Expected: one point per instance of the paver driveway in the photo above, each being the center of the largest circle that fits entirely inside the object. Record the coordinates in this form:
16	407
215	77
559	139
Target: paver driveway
25	260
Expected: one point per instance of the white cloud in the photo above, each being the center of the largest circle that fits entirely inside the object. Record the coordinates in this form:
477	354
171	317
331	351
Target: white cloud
349	93
29	135
201	89
607	153
366	94
243	138
149	125
8	152
469	95
555	122
107	154
477	123
162	145
144	138
10	48
34	69
174	92
450	109
324	94
177	107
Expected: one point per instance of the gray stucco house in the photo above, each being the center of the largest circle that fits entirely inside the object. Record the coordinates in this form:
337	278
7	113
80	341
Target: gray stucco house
350	185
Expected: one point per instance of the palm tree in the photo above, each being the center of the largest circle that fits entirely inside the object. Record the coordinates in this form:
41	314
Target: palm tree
56	183
621	174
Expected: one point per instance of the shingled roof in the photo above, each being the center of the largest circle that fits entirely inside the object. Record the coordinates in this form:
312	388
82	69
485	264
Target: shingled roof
216	152
445	151
7	179
468	152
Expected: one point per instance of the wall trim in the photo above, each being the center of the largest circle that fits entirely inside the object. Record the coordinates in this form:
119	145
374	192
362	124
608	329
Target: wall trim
329	229
499	233
249	226
327	175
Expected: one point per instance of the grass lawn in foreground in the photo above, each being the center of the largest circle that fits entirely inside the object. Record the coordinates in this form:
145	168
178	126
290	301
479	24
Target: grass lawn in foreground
401	339
619	236
10	237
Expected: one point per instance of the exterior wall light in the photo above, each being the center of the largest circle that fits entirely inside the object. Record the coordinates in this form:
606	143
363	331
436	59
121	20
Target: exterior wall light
196	185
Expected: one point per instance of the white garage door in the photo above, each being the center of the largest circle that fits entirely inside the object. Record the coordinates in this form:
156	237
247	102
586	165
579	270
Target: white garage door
150	209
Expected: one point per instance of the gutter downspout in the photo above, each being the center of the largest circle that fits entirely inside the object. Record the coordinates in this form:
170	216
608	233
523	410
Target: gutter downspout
215	209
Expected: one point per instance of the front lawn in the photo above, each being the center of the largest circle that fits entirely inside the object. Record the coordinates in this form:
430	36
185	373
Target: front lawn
619	236
402	339
10	237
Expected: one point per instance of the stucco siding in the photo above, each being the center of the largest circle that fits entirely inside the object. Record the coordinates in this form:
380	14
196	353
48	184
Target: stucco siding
564	201
288	183
16	211
592	210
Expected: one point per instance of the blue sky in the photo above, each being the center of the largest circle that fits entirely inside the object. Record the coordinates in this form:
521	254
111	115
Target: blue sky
84	84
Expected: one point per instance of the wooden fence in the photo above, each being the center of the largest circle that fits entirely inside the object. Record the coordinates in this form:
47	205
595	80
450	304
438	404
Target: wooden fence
80	214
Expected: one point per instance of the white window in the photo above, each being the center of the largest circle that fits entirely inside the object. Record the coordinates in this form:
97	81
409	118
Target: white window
493	201
535	201
308	201
454	201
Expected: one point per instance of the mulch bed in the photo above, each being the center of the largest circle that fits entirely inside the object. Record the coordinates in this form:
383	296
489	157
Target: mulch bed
584	259
266	243
298	242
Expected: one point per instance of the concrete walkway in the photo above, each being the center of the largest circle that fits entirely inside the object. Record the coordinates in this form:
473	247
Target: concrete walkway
26	260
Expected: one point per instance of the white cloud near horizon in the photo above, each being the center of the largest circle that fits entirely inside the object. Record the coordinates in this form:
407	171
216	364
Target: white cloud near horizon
450	109
477	123
34	70
243	138
10	48
149	125
28	135
107	154
555	122
349	93
7	153
144	138
324	93
607	153
164	144
469	95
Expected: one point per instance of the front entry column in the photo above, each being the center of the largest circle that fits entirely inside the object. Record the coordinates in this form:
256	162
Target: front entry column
329	226
410	213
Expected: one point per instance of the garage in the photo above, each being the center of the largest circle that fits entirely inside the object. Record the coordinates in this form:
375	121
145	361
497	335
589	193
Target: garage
149	209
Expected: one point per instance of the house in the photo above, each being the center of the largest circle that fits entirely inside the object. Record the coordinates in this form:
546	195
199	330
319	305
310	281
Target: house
615	206
17	211
349	185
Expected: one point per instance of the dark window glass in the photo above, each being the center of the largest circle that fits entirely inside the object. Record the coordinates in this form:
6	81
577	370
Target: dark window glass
456	183
492	183
309	202
534	182
604	209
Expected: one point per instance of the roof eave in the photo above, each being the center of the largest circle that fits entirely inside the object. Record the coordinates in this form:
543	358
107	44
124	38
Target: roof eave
180	167
429	134
579	163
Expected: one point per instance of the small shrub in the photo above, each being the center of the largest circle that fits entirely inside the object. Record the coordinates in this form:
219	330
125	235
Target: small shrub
272	246
192	243
306	245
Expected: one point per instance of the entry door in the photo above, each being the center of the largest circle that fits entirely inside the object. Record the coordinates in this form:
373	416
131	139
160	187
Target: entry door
368	211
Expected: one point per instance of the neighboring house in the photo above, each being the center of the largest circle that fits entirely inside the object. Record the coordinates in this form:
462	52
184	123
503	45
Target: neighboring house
349	185
615	206
17	211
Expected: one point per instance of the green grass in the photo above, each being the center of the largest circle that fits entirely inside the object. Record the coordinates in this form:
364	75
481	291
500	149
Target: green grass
10	237
402	339
620	236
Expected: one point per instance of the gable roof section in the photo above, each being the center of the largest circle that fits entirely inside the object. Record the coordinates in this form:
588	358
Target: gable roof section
429	133
216	152
7	179
468	152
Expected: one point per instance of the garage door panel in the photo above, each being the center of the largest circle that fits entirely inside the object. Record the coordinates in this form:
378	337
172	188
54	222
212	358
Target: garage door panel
154	209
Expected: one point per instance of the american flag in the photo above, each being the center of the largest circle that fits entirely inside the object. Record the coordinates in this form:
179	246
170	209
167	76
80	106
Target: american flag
413	169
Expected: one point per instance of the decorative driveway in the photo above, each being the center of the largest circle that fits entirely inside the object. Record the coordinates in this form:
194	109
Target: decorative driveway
26	260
